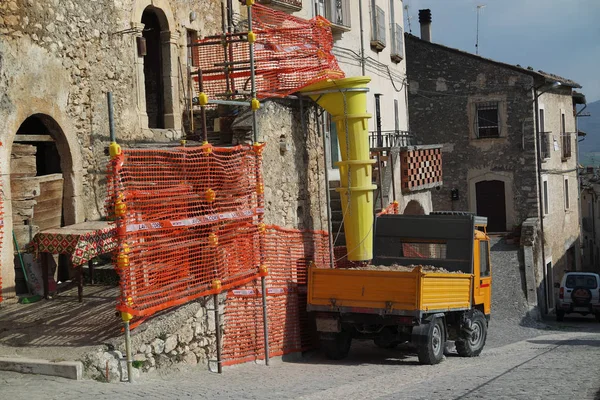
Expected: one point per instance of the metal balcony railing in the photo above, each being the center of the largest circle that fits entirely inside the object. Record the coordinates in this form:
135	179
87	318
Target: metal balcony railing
285	5
390	139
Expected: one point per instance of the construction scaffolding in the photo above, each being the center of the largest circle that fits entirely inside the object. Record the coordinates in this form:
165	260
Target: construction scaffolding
286	53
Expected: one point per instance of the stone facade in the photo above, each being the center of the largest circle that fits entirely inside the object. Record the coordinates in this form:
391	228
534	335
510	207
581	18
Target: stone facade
59	59
186	335
448	89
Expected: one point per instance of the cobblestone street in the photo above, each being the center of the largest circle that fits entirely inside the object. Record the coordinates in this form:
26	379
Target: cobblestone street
558	362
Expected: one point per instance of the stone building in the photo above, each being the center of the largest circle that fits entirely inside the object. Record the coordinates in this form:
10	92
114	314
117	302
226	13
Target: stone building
58	59
590	219
497	161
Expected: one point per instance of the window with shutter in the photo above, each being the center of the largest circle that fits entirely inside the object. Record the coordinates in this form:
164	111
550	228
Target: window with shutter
397	43
378	29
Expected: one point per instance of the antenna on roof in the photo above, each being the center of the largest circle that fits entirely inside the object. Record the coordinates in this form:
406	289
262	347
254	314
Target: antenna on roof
479	8
408	18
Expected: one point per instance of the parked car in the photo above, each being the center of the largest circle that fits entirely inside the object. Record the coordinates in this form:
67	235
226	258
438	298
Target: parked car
579	292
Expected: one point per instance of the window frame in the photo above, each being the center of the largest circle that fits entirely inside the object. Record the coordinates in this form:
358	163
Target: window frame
484	255
487	106
566	193
565	137
545	195
545	142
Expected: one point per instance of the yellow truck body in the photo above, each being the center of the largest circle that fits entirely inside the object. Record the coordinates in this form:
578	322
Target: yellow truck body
392	292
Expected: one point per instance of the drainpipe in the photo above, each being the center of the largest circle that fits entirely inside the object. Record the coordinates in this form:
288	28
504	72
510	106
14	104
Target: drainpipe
362	38
541	195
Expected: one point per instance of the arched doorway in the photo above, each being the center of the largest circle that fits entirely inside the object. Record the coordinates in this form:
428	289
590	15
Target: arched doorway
157	63
491	203
414	208
39	155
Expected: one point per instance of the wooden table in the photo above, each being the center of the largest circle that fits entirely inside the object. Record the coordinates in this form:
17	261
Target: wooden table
82	242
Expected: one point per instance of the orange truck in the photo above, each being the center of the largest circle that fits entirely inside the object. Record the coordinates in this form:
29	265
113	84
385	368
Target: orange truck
445	294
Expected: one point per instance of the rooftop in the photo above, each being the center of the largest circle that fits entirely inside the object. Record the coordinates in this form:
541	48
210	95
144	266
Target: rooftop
546	76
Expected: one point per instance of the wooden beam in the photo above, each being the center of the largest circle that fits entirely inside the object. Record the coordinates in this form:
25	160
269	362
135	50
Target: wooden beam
20	138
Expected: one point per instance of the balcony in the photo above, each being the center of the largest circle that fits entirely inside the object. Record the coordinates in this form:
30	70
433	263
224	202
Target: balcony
337	12
420	167
390	139
283	5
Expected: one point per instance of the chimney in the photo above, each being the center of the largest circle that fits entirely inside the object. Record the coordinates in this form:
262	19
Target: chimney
425	21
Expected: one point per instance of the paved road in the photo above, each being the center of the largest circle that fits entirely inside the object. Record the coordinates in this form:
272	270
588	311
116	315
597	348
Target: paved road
561	362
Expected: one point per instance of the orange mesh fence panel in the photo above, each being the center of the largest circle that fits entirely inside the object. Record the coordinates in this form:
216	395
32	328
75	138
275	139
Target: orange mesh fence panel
290	53
392	208
288	254
185	217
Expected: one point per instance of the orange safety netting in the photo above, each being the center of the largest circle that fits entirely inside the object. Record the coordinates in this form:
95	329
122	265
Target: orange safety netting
288	253
290	53
185	217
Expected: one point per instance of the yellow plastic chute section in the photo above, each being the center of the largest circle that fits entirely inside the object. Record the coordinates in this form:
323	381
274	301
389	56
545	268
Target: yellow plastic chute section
346	101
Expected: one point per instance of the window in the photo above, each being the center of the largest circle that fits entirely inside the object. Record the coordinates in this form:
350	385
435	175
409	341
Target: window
487	121
377	27
544	136
583	281
545	190
435	251
397	44
192	37
565	138
566	194
483	258
337	12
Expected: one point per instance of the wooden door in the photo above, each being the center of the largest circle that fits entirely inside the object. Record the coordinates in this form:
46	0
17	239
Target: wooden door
491	204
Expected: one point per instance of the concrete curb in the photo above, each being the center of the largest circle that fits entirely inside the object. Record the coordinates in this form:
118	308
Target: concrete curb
64	369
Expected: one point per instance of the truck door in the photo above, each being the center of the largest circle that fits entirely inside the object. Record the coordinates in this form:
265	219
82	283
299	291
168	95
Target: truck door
483	277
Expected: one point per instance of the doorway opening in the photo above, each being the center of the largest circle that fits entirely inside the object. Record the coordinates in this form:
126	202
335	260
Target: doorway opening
491	203
156	60
414	208
37	185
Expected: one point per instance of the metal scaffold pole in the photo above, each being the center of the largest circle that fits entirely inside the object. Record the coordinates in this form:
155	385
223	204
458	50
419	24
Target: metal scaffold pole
255	105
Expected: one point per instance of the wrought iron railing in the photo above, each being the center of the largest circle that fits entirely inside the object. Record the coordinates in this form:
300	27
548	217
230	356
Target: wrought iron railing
294	5
390	139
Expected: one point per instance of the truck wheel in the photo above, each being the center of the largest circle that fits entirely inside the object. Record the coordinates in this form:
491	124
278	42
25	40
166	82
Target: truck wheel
431	351
560	315
338	346
473	346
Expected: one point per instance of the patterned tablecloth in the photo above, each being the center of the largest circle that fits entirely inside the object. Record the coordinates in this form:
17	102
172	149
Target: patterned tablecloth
82	241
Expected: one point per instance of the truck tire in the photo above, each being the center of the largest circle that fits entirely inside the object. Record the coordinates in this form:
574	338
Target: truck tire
431	350
560	315
337	346
473	346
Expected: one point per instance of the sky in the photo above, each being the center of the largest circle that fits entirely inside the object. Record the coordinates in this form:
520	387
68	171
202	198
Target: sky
557	36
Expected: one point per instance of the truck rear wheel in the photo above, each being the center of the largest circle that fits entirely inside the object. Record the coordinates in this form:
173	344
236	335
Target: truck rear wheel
431	350
337	346
473	345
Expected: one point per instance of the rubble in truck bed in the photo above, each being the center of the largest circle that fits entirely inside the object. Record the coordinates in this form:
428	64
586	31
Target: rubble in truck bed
405	268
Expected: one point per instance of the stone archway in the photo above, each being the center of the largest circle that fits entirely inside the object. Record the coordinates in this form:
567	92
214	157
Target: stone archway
478	178
157	71
414	208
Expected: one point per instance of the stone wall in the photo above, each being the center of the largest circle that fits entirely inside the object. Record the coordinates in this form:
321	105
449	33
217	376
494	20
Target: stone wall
186	335
443	88
293	164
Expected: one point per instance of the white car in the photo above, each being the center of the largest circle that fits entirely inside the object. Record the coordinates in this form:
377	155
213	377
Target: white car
579	292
